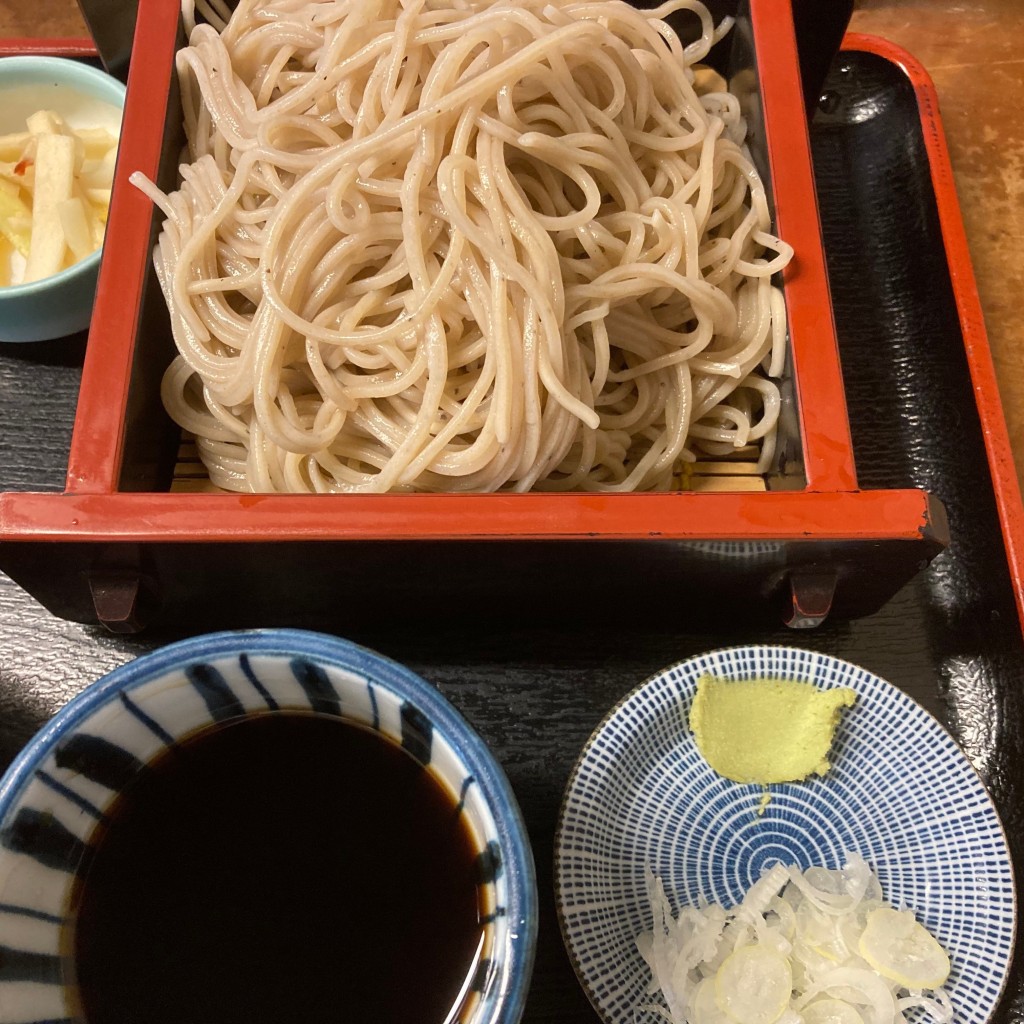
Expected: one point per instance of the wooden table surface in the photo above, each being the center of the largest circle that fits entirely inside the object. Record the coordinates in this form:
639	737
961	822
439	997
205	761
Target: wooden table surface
971	49
950	639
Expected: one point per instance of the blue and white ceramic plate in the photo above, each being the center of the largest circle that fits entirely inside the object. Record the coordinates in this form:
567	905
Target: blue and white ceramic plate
901	793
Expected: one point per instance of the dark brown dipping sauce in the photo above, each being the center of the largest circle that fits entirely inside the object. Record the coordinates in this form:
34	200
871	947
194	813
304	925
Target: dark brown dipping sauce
287	868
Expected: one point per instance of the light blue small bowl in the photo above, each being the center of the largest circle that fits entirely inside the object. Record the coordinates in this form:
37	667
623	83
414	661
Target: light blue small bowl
60	785
61	304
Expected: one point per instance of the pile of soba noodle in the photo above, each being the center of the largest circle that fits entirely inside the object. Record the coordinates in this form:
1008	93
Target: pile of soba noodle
464	245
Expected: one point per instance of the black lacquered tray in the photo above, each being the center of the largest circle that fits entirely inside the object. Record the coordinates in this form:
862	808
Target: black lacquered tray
951	638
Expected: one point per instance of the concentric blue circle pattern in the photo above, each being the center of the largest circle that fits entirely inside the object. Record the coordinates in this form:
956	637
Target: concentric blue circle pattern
900	793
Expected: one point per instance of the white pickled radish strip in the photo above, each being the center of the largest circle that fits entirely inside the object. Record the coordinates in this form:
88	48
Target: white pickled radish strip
821	933
760	895
790	1017
783	912
831	1011
664	958
859	879
827	950
939	1008
705	1008
861	986
700	947
825	901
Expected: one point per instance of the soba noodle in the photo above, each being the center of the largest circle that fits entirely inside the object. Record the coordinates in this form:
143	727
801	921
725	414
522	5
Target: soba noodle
464	245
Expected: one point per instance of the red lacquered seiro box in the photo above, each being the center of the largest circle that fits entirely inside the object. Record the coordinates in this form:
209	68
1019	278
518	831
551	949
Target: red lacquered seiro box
131	539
